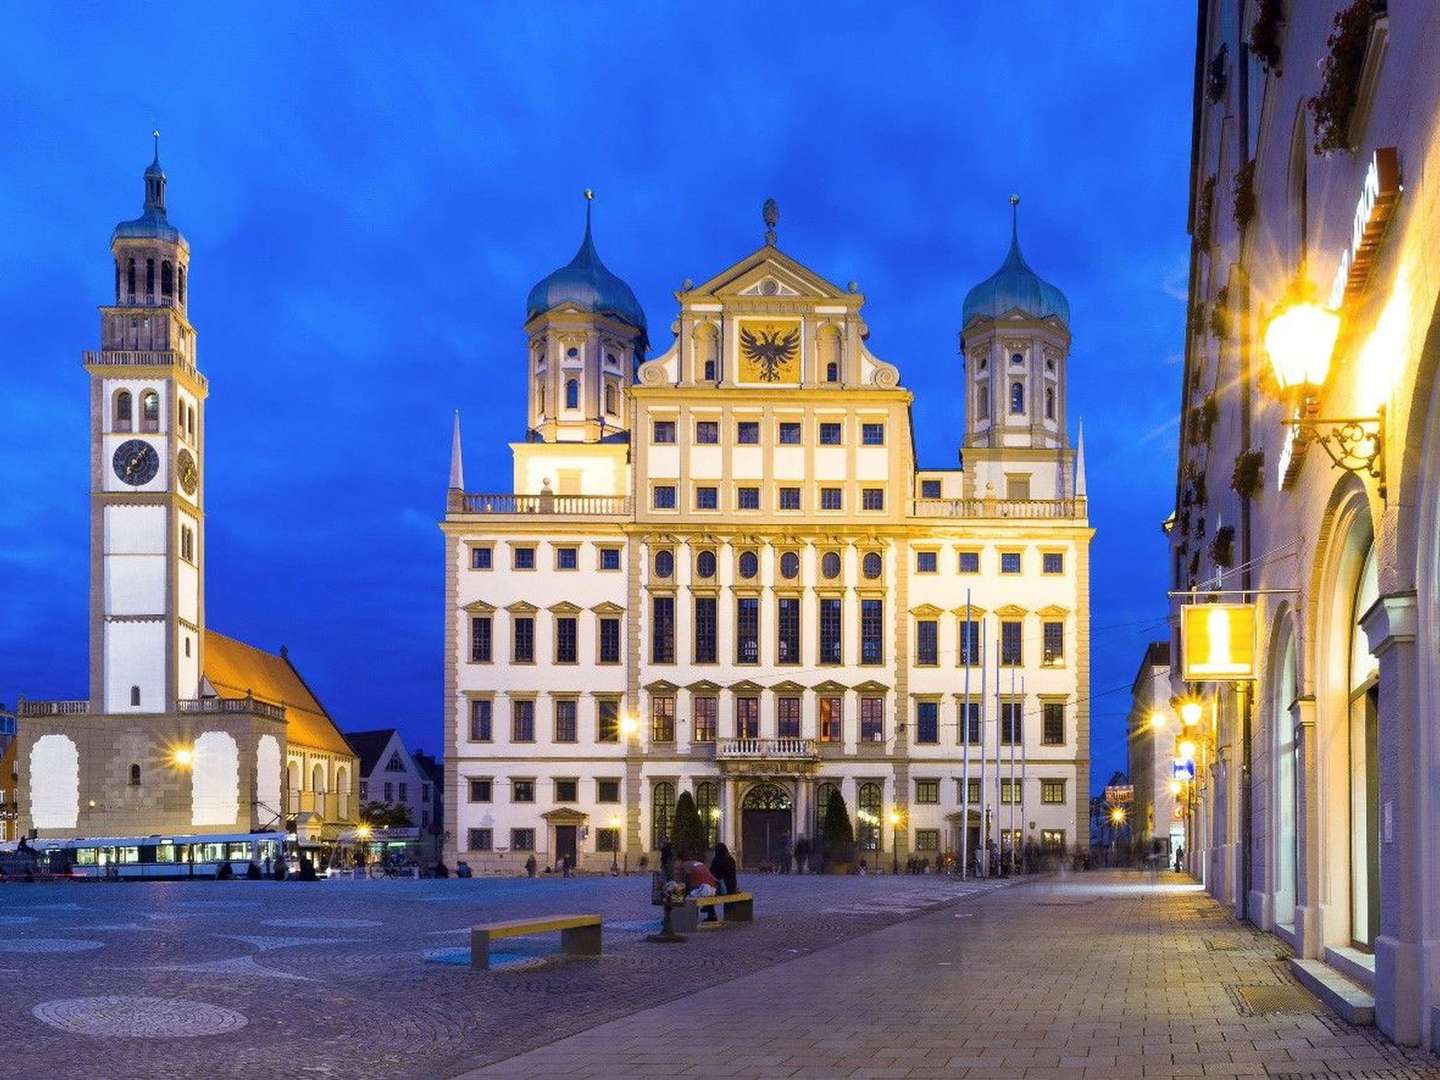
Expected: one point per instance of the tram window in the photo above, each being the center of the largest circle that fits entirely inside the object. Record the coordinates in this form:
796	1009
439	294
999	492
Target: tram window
165	852
85	856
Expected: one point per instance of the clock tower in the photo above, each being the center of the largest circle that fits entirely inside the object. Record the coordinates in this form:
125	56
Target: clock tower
147	437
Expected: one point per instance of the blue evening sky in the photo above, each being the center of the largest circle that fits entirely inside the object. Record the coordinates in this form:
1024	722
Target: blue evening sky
370	192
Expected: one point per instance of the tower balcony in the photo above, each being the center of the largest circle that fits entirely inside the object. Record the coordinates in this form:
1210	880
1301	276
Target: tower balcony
998	508
162	358
544	505
215	706
782	749
52	708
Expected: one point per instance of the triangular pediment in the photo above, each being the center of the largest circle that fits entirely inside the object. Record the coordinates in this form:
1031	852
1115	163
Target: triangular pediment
661	686
478	607
870	686
927	611
704	686
1053	611
830	686
747	277
746	686
565	815
1011	611
521	607
608	607
564	607
973	612
789	686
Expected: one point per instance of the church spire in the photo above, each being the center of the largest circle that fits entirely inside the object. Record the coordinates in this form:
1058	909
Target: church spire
457	465
1080	462
155	181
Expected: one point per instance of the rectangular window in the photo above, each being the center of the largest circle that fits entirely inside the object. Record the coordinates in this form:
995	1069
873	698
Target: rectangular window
662	719
1010	562
567	791
1052	839
1052	792
481	839
522	839
704	711
1017	488
607	791
789	498
566	729
930	489
927	722
832	716
1011	652
663	431
609	558
872	499
404	791
747	630
609	651
607	840
1009	791
481	790
567	558
789	433
872	631
522	791
787	630
567	642
872	434
706	638
707	498
971	793
747	498
1052	562
927	642
830	624
969	562
480	639
1012	723
1054	644
707	432
662	642
524	643
187	543
831	499
927	562
664	496
522	721
829	434
969	642
607	721
872	719
747	718
969	724
1052	723
927	791
482	558
787	717
522	558
480	726
927	839
747	432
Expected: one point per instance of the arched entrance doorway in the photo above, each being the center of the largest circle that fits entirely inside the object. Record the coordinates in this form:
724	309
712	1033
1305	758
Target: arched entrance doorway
765	826
1364	702
1282	697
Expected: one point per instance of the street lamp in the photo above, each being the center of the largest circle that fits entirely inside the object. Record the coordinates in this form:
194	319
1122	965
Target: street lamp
629	726
182	757
895	819
1190	712
615	844
1186	749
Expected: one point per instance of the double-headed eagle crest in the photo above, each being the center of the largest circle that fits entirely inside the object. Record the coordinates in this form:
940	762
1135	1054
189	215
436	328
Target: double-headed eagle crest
770	350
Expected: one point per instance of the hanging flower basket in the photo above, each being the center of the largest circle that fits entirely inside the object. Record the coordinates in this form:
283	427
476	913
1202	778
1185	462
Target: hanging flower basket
1215	79
1245	195
1340	76
1222	547
1265	35
1247	477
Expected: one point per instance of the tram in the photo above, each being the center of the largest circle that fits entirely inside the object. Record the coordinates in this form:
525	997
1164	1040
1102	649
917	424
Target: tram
158	858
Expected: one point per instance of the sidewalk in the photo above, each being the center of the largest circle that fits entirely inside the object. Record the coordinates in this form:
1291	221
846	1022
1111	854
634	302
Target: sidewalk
1095	975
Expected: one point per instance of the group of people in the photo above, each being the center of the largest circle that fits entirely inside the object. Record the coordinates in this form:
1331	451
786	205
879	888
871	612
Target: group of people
699	880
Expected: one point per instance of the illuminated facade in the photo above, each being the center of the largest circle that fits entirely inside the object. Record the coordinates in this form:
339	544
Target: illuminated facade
1316	810
184	730
721	571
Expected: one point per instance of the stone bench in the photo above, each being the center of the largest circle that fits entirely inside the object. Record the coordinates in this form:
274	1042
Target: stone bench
736	907
579	935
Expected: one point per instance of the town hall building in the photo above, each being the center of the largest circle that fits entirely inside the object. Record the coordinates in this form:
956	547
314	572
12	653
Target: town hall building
720	570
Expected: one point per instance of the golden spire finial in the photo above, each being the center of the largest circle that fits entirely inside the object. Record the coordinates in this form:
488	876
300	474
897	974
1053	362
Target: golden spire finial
589	194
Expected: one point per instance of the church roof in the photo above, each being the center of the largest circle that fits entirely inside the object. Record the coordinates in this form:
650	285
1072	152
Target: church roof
235	669
587	283
152	224
1014	286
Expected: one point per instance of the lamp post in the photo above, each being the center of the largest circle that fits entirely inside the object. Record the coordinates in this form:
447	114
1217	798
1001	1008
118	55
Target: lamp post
615	845
181	758
895	820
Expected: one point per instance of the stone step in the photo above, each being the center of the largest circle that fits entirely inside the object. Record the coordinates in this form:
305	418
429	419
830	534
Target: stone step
1349	1000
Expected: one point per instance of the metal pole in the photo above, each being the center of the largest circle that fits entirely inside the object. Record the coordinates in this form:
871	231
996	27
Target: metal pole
999	720
983	833
1016	719
965	749
1023	823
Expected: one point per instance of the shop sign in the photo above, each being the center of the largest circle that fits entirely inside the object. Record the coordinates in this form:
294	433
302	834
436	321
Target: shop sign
1378	196
1181	769
1217	642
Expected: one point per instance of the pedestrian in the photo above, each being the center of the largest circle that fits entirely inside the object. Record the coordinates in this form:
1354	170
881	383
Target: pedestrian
1179	857
667	860
530	866
724	868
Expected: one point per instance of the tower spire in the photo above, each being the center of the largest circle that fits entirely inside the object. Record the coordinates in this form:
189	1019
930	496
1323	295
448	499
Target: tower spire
770	214
155	181
1015	222
1080	461
457	466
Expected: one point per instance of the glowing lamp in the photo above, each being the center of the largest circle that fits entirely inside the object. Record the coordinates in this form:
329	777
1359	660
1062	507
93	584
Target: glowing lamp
1157	720
1300	339
363	832
1117	816
1176	787
894	817
629	726
1190	713
1186	750
183	757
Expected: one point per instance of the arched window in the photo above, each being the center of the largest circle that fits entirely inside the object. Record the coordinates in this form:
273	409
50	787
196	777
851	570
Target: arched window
871	803
789	566
1283	693
1017	397
749	564
1049	403
123	411
1363	684
190	421
572	393
317	779
872	565
705	805
149	279
149	411
134	695
982	401
705	564
832	372
117	281
662	812
664	564
611	405
539	399
822	804
180	283
830	564
130	278
134	775
167	278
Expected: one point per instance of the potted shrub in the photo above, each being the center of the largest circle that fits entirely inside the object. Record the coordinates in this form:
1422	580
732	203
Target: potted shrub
1245	195
1246	479
1203	206
1265	35
838	851
1215	79
1217	312
1340	76
1222	547
687	834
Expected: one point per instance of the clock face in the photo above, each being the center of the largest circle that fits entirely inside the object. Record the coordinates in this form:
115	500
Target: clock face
186	471
135	462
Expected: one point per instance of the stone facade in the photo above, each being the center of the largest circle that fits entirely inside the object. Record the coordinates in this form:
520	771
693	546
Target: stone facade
1155	821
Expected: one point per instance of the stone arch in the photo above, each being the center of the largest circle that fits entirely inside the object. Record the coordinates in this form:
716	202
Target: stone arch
54	783
1278	859
215	780
318	777
267	776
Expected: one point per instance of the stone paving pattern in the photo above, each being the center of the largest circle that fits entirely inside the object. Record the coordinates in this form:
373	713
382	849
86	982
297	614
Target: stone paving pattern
1098	975
337	978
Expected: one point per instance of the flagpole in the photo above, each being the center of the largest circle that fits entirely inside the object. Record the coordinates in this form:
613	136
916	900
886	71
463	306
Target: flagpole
965	659
1017	714
1023	700
999	659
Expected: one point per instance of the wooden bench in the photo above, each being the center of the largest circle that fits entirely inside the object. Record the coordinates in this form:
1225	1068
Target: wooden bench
737	907
579	935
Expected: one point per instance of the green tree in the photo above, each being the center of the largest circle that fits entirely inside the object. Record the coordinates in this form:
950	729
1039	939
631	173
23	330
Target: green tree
380	815
838	836
688	832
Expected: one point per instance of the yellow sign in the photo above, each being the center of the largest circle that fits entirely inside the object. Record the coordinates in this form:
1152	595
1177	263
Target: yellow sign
1217	642
769	351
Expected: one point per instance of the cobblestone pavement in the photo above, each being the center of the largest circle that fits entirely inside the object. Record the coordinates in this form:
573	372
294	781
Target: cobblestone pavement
370	978
1098	975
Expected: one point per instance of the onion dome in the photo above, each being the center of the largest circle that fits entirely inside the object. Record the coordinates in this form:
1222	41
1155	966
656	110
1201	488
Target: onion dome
152	223
586	282
1015	285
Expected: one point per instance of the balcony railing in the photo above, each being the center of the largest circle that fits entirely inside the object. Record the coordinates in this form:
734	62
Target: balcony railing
54	708
214	705
545	505
142	358
997	508
768	749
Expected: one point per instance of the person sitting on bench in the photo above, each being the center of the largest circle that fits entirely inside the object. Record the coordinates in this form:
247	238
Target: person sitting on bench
700	882
724	868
